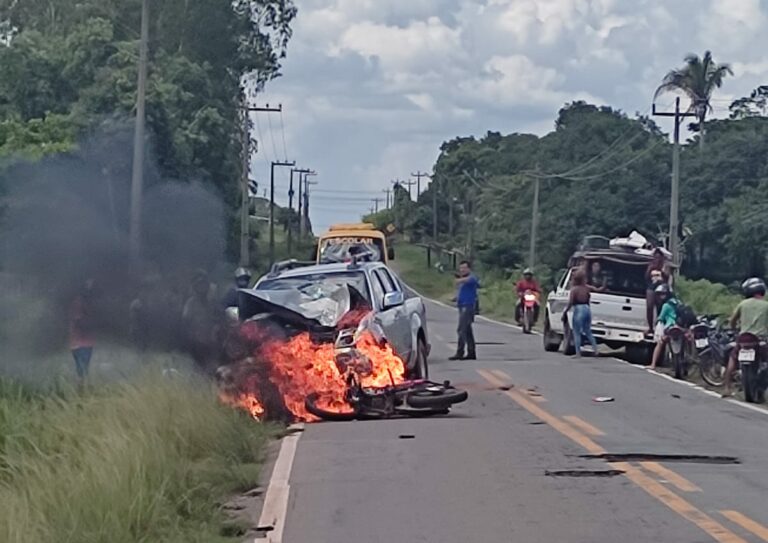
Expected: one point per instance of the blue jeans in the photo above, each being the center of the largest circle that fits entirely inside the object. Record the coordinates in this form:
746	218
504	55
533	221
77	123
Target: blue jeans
82	356
582	326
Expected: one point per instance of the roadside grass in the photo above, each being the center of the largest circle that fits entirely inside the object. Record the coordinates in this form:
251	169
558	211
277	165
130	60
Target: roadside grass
145	460
706	297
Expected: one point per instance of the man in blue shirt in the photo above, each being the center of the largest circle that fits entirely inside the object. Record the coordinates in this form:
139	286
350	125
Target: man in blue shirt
467	284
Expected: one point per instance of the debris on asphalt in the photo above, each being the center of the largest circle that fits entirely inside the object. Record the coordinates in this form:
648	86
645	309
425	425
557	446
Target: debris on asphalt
506	387
406	436
602	399
536	423
675	396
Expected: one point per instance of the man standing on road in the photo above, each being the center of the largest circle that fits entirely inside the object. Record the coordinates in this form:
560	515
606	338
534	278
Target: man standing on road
467	284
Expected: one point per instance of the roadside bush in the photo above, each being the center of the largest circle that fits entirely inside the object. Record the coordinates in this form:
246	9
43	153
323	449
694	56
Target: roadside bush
706	297
135	462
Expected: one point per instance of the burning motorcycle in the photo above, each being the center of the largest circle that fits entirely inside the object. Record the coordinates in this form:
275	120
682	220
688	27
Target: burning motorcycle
529	310
754	367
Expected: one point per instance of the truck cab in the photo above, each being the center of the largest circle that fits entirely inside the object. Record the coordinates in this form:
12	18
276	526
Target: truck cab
618	303
342	241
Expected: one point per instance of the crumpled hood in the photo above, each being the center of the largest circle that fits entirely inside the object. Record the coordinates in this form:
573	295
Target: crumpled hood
314	306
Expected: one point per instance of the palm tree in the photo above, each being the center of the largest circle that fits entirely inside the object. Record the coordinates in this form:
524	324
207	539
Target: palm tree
698	79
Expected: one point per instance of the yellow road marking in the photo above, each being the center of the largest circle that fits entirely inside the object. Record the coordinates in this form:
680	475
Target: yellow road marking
502	375
584	426
670	476
747	523
680	506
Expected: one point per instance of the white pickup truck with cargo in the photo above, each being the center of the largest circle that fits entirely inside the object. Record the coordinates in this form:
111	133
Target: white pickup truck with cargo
619	318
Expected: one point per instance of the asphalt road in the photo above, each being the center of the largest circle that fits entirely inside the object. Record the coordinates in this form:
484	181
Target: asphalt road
510	465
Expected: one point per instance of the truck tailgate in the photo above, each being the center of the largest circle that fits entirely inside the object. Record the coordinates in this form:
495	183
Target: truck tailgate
615	311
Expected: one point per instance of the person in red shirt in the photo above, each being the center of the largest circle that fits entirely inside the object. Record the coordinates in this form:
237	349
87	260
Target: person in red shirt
81	331
528	282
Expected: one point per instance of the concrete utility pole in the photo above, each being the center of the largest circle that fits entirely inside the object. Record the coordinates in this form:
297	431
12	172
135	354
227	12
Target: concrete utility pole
409	183
245	204
534	222
376	204
305	216
388	192
433	186
674	207
137	176
290	205
272	207
418	176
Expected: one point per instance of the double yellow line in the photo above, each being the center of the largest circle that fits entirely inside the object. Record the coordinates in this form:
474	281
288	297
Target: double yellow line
579	431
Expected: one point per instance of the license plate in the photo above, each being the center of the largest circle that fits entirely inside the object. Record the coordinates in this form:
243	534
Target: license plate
701	343
747	355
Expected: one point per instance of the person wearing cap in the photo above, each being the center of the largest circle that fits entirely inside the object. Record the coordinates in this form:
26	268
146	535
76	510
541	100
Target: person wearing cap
527	283
666	319
242	280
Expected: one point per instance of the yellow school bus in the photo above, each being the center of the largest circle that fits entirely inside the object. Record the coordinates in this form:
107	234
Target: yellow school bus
341	241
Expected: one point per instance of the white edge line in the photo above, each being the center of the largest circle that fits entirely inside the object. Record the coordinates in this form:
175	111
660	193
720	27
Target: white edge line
662	375
275	508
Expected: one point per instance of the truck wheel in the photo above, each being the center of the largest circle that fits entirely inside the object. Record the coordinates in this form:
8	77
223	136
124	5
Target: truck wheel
420	369
552	340
569	349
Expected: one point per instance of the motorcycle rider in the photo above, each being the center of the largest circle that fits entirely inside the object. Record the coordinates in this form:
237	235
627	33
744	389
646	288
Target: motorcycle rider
751	317
527	283
242	280
666	319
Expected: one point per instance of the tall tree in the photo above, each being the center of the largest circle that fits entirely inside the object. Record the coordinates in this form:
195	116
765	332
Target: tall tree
698	79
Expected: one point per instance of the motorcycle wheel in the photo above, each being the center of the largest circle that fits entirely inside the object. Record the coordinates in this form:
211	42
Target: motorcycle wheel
311	404
678	362
749	383
527	321
711	369
431	399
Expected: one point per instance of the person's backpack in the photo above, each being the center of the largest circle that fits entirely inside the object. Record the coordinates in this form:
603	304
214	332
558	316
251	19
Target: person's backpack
686	316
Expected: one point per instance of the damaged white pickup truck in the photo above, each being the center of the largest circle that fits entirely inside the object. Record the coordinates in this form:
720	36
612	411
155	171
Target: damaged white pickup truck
319	299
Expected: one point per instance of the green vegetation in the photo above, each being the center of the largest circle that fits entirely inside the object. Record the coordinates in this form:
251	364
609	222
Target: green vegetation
68	70
146	461
707	298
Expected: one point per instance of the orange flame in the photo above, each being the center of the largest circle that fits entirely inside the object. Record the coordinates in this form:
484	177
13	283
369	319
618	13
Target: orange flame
298	367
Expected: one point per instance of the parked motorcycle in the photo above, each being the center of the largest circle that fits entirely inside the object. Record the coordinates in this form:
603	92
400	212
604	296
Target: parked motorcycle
530	307
713	357
754	367
677	345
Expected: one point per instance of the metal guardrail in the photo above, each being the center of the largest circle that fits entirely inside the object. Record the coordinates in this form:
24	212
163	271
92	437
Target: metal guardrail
443	257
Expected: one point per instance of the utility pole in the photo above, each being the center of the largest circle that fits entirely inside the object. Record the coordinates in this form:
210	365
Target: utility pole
433	186
272	207
245	204
307	183
290	206
376	204
137	176
418	176
409	183
674	207
534	221
388	191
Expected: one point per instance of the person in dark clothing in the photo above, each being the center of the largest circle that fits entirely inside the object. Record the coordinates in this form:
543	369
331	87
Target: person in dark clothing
581	319
467	284
201	319
242	280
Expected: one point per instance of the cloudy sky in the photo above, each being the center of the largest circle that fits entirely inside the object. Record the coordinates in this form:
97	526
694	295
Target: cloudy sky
371	88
